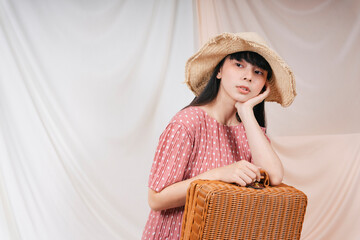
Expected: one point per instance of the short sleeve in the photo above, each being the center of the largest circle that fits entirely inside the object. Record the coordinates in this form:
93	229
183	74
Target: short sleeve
171	157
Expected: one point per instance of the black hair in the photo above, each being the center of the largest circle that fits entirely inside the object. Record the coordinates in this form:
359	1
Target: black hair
212	88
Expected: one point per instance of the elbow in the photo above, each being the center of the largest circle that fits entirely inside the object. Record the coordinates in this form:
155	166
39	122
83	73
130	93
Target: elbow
274	181
153	201
154	206
276	176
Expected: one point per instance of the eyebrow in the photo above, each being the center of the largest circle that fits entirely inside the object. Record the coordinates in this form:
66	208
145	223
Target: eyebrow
255	66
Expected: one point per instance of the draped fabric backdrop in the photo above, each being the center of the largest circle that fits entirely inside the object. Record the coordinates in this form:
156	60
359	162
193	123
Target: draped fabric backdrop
87	87
318	136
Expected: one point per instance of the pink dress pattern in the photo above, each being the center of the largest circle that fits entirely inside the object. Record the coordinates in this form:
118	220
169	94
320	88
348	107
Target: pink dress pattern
192	143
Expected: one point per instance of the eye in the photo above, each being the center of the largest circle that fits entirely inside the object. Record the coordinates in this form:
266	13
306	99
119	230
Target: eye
239	65
259	72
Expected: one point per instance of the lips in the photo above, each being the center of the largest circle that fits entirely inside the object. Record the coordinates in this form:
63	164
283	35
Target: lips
243	89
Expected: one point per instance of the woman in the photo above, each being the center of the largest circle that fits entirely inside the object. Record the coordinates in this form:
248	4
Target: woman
221	134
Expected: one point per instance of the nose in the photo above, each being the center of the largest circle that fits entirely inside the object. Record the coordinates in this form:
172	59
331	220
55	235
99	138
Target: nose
247	75
247	79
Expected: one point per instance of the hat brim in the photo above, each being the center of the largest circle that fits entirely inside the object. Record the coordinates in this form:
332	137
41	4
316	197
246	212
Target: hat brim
201	65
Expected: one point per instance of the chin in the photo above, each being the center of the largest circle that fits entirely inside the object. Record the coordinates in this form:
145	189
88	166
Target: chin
242	100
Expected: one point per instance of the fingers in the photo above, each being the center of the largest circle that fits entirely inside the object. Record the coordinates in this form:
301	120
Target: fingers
240	181
250	170
267	90
242	173
262	95
255	170
255	100
245	176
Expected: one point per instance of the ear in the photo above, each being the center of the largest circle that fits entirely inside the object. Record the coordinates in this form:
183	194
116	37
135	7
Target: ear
218	76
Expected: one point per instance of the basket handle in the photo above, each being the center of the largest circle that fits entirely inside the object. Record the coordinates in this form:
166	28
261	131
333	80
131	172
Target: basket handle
263	183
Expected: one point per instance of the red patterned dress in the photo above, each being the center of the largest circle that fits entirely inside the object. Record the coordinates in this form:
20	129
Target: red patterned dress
192	143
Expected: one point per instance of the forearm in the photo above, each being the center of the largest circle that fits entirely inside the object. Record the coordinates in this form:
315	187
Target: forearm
263	154
175	194
170	197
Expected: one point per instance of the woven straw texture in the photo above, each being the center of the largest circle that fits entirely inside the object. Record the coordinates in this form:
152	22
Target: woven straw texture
218	210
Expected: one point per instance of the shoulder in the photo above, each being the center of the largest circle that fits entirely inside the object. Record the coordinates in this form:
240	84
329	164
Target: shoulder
188	117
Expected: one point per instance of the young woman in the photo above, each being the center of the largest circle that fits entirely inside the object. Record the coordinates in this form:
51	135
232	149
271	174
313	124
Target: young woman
221	134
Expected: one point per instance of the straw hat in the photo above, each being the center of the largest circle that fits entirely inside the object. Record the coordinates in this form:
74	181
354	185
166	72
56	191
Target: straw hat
201	65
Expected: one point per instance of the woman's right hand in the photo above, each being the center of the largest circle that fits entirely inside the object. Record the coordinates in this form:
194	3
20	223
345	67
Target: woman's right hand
241	172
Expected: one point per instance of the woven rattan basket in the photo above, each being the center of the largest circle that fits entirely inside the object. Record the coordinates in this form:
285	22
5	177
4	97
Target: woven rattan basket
218	210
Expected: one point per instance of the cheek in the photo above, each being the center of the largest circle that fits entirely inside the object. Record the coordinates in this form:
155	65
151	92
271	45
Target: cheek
225	82
259	88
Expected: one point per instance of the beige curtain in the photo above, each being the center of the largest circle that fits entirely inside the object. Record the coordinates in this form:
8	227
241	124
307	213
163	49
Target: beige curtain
318	136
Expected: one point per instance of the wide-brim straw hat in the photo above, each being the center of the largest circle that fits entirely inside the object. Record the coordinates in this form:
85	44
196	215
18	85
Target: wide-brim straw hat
201	65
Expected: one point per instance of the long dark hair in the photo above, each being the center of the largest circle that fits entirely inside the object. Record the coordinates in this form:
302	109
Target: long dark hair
212	88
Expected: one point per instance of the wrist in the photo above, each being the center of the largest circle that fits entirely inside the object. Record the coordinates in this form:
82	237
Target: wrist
208	175
245	113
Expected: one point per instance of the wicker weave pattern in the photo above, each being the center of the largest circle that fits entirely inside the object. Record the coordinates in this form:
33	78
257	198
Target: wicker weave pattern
218	210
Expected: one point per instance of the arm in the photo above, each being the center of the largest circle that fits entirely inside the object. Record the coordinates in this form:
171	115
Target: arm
241	172
171	196
262	152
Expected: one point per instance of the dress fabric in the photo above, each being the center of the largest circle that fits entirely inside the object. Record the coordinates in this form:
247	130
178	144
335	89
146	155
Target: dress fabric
192	143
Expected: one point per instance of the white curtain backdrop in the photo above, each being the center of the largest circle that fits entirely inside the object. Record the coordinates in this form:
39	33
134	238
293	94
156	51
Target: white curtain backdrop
86	88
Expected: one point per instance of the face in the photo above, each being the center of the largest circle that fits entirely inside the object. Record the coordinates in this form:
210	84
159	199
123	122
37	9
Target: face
241	80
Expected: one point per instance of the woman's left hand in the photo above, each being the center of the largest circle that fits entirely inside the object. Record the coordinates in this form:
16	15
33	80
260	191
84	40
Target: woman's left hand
249	104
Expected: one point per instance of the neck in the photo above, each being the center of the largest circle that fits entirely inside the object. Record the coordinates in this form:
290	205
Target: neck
223	110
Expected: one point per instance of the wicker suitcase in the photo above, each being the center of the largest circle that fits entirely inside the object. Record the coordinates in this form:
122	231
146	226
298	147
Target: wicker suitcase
218	210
